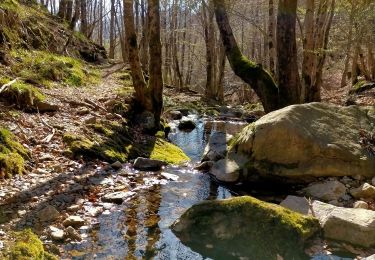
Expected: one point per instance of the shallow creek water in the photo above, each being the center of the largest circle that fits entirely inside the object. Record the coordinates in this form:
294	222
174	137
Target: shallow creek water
139	228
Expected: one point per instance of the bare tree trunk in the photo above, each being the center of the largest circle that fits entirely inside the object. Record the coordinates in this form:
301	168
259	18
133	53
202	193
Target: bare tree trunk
348	47
144	39
135	64
62	9
77	14
271	36
288	76
156	79
258	78
69	10
101	25
112	31
84	27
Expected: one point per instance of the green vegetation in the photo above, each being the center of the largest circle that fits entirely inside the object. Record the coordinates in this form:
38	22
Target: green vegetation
44	68
246	226
112	142
28	247
12	154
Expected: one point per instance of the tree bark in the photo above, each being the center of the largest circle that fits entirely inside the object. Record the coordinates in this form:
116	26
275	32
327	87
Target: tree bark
77	13
84	27
288	76
254	75
112	31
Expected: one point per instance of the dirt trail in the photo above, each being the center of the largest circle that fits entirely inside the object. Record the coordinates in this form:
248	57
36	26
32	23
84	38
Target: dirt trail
53	178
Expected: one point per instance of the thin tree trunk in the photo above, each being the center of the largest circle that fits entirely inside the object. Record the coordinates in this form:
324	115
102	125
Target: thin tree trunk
84	27
254	75
77	14
288	76
112	31
271	36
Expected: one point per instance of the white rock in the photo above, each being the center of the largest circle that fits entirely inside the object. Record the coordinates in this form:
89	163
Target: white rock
364	191
56	233
360	205
356	226
327	191
74	221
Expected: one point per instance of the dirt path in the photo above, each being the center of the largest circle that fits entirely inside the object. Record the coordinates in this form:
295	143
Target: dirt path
54	180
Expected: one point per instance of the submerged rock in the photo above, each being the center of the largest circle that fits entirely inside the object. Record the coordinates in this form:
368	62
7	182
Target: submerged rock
356	226
327	191
187	125
145	164
244	227
303	142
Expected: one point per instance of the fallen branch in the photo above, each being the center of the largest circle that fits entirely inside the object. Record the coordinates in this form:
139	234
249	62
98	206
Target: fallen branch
115	70
95	105
5	86
49	137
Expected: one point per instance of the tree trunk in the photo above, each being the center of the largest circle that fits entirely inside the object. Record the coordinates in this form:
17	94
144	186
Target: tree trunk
62	9
348	47
135	64
84	28
69	10
156	79
112	31
77	14
288	76
271	36
254	75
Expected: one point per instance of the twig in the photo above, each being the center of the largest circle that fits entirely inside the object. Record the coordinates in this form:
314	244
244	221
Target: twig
5	86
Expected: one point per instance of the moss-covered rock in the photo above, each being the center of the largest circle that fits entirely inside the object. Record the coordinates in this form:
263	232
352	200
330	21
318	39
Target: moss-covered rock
167	152
245	227
12	154
27	246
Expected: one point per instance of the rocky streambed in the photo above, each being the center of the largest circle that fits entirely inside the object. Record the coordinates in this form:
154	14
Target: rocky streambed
102	211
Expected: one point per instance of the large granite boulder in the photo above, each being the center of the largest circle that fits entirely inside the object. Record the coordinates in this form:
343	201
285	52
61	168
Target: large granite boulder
356	226
217	147
303	142
244	227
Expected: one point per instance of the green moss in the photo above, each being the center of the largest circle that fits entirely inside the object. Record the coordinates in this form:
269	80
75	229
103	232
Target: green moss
167	152
28	247
12	154
45	68
245	226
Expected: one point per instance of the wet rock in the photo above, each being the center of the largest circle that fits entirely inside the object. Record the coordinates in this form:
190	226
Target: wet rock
360	205
145	164
271	229
74	221
217	147
187	125
326	191
174	115
204	166
364	191
48	213
226	170
72	234
116	165
117	197
56	233
291	144
356	226
169	176
73	208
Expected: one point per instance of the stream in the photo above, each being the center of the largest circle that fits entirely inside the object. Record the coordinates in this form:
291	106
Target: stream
139	227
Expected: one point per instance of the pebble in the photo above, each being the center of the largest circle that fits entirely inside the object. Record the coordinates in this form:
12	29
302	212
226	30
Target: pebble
117	165
72	234
56	233
74	221
360	205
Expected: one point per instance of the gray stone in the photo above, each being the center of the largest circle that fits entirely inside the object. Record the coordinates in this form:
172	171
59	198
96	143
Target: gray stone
356	226
48	213
360	205
56	233
74	221
308	141
327	191
72	234
226	170
204	166
145	164
217	147
44	106
117	197
174	115
364	191
116	165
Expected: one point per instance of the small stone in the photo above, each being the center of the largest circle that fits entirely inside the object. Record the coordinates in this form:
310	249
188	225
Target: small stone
116	165
360	205
48	213
364	191
117	197
74	208
56	233
21	213
187	125
34	199
204	166
72	234
175	115
90	120
145	164
327	191
74	221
